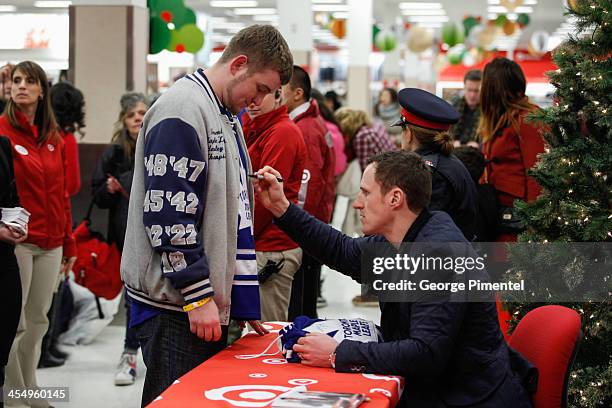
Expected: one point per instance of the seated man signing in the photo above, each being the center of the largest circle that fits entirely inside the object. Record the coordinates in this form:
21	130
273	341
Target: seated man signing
450	353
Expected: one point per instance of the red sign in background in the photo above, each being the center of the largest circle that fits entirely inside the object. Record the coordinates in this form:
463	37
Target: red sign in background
226	381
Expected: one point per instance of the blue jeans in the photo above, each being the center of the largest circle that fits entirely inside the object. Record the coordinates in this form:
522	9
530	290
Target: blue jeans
170	350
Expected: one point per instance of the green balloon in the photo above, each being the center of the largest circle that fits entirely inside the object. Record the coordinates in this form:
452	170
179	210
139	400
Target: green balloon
452	34
385	41
184	17
469	23
188	38
501	20
523	19
375	31
456	53
159	35
159	5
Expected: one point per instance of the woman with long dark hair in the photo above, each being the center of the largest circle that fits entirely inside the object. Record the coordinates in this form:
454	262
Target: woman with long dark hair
111	184
510	143
40	171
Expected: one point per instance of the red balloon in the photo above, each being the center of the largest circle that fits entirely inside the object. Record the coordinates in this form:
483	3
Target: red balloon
166	16
180	48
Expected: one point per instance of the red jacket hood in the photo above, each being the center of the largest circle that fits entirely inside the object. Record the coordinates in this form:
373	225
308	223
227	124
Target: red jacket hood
254	127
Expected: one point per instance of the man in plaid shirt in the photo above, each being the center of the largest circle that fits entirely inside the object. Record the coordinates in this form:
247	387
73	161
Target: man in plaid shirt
371	140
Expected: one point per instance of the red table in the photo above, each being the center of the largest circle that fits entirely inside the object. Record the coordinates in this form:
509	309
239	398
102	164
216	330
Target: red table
225	381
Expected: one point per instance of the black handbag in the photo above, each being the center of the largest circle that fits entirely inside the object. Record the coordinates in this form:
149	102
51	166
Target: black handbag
508	221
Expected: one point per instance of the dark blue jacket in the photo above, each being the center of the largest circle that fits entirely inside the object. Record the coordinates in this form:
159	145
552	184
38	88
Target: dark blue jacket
451	354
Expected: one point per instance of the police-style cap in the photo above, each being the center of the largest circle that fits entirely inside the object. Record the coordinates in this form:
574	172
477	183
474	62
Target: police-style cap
426	110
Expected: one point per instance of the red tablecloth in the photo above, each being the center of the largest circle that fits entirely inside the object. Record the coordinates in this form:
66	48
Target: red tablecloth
225	381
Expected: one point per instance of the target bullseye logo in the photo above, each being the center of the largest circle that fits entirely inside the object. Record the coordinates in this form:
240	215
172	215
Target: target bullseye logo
258	375
302	381
274	361
256	396
386	393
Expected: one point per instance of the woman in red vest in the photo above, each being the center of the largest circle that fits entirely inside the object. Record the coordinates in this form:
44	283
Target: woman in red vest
40	167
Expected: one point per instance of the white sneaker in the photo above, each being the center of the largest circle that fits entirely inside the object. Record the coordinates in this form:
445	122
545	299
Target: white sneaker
126	370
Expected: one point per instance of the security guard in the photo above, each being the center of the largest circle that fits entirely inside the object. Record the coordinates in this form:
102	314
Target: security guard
425	121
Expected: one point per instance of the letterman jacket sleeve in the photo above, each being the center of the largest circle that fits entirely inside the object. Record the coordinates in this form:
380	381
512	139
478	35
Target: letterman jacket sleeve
175	180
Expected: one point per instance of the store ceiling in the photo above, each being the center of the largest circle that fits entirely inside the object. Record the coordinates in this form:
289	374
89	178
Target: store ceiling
546	14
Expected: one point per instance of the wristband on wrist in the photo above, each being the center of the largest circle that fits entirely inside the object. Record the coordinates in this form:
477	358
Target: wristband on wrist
197	304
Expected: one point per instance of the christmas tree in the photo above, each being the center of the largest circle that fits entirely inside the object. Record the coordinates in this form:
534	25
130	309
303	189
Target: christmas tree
576	175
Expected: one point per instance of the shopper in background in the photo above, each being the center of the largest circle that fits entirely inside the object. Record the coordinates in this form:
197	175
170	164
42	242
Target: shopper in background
189	263
333	129
425	122
362	139
5	85
388	111
10	302
111	184
68	105
511	145
69	108
40	171
332	101
464	132
317	192
272	137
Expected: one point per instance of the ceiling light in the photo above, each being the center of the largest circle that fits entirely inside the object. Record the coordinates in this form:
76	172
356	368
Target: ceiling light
525	2
7	9
420	6
428	19
502	9
253	11
52	4
433	12
266	17
233	3
330	7
229	24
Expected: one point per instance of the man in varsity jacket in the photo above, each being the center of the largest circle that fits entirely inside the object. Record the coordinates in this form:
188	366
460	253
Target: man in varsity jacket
189	256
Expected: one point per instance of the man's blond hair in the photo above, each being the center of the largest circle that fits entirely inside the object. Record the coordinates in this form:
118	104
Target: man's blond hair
264	47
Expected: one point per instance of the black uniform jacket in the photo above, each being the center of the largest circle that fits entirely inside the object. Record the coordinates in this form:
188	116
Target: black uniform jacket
452	354
452	190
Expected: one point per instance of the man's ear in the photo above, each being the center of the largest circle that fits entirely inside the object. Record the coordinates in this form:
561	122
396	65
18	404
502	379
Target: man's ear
397	198
238	63
298	94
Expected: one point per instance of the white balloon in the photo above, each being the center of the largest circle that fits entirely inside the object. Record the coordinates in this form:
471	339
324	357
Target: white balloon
539	41
472	38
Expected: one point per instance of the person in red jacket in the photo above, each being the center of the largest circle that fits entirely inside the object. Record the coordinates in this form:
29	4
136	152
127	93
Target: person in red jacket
272	137
40	172
511	144
317	192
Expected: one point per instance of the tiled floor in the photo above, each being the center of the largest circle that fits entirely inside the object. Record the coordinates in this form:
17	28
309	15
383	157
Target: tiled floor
89	371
